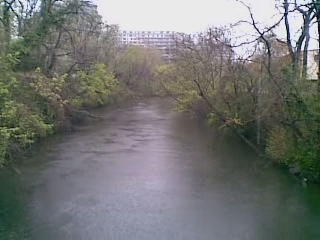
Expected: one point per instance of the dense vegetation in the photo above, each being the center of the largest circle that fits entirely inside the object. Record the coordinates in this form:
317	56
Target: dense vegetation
263	97
57	59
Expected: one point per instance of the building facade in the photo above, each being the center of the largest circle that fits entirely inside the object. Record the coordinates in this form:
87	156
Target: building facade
312	64
162	41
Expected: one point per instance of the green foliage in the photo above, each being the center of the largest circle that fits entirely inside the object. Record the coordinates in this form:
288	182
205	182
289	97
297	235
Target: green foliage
20	125
33	105
306	159
279	144
301	155
24	124
46	53
183	90
304	152
136	68
5	134
272	109
299	146
97	87
48	96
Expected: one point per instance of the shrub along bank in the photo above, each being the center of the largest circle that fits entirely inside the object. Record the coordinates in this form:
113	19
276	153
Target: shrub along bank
33	105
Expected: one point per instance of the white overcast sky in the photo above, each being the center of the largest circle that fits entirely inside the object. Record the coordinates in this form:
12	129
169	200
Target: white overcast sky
178	15
185	15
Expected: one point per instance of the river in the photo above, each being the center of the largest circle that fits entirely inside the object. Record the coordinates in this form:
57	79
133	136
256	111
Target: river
146	172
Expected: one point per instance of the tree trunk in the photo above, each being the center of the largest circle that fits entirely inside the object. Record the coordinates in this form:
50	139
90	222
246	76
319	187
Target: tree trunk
6	25
306	44
318	26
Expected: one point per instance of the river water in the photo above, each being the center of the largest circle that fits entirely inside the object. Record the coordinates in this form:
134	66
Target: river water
146	172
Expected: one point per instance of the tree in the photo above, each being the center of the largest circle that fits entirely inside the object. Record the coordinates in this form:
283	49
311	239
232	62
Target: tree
297	118
206	78
254	97
53	63
135	67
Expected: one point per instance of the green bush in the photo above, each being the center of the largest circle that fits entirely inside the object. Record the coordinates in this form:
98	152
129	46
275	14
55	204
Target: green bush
307	159
301	155
97	87
33	105
279	144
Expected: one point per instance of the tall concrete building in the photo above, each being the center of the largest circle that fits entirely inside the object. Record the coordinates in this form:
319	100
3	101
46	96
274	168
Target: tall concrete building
159	40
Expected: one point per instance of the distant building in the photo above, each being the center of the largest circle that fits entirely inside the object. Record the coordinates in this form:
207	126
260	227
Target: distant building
159	40
312	64
280	53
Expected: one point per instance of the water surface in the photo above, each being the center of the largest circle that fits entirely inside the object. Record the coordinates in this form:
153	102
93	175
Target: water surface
146	172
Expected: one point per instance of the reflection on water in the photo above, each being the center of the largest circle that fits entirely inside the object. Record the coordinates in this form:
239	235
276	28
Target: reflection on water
146	172
12	207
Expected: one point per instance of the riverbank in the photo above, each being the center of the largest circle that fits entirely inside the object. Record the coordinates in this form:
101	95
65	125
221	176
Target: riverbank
35	106
147	172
